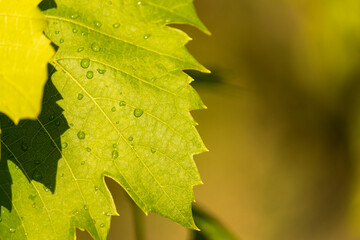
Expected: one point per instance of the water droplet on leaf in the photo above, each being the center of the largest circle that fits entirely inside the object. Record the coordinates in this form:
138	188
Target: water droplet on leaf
37	176
81	135
95	47
115	154
113	109
98	24
116	25
80	96
74	16
24	147
100	71
90	74
138	112
85	63
122	103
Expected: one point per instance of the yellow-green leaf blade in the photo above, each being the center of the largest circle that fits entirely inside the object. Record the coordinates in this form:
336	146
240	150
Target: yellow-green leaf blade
24	54
125	68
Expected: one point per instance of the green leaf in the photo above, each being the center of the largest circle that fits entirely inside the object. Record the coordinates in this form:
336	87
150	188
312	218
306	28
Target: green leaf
24	54
210	228
126	100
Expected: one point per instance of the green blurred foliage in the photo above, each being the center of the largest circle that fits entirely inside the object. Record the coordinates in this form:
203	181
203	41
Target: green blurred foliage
211	229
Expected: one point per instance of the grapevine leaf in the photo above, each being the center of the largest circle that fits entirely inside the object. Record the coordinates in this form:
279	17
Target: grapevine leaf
126	101
24	54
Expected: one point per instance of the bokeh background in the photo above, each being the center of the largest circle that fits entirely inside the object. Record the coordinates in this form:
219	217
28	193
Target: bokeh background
282	125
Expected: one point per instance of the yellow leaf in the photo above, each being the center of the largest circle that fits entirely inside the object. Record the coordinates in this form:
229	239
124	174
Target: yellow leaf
24	53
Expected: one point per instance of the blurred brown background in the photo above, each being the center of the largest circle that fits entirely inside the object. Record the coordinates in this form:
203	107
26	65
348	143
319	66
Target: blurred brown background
282	125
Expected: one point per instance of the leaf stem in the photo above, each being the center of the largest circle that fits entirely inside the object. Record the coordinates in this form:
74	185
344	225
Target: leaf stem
139	222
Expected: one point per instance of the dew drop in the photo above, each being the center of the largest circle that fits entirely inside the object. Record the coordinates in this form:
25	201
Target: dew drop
80	49
122	103
12	230
51	117
34	205
130	139
83	163
139	3
102	225
95	47
81	135
85	207
115	154
61	40
85	63
57	32
114	145
153	150
74	16
101	71
37	176
80	96
24	147
147	36
98	24
90	74
64	145
45	189
88	149
138	112
116	25
75	30
153	79
96	188
113	109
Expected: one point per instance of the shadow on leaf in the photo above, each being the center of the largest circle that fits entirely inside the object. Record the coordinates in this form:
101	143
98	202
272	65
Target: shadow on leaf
34	146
